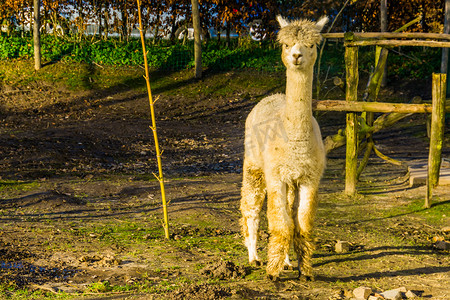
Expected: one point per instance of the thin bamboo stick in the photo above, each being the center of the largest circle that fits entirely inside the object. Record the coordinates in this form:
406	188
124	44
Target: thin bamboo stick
160	176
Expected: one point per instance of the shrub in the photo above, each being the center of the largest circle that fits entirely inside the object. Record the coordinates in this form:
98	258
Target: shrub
414	62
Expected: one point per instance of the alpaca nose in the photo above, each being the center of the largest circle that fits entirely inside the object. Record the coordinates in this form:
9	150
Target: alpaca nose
297	55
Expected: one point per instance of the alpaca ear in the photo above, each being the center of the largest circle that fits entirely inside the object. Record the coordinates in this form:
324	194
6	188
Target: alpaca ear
282	21
321	23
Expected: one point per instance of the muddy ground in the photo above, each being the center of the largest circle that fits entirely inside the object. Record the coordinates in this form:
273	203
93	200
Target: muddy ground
80	211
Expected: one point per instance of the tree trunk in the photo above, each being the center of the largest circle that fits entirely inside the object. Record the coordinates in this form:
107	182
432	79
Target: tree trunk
106	21
36	35
124	21
173	24
197	39
99	16
228	29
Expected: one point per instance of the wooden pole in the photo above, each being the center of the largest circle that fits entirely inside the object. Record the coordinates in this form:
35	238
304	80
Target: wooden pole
396	43
197	39
160	176
390	35
444	59
386	120
36	34
381	107
383	28
351	94
439	85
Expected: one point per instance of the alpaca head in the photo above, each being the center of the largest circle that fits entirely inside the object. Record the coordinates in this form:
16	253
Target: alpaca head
299	39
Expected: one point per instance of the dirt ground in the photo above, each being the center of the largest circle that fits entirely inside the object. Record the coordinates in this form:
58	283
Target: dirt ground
80	211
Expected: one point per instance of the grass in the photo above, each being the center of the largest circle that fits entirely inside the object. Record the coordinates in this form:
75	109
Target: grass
100	289
438	215
20	73
125	233
17	185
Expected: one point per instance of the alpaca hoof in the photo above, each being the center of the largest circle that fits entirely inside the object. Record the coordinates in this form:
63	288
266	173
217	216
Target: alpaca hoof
255	263
273	278
306	278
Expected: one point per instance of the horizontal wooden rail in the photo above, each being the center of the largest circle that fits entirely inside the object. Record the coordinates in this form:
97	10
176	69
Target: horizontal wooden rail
390	35
396	43
382	107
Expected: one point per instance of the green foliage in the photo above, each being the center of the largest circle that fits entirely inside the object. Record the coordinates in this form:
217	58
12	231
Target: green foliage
415	62
254	56
163	55
409	62
15	47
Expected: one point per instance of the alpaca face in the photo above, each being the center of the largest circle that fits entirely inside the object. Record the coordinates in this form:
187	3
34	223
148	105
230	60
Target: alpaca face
299	56
299	39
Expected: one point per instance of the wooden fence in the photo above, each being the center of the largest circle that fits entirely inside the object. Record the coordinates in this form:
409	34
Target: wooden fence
352	42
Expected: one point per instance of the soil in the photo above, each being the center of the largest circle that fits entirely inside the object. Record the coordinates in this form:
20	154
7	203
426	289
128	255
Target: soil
80	209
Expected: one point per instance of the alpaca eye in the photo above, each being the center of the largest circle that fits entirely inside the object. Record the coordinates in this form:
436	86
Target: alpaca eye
311	46
286	46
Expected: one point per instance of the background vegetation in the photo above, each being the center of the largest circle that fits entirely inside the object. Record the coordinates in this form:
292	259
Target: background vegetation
163	17
412	62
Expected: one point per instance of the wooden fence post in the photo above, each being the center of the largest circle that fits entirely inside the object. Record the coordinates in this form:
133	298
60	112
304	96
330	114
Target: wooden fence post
439	85
351	94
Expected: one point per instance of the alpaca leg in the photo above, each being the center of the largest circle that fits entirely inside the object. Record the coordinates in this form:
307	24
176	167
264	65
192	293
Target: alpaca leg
291	196
287	263
303	242
281	229
251	203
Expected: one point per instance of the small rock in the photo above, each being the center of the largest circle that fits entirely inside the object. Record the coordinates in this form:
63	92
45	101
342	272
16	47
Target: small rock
410	295
374	298
348	293
446	229
342	246
362	292
392	294
442	245
437	238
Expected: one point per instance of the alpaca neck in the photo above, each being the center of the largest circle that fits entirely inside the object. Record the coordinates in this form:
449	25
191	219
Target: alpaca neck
298	113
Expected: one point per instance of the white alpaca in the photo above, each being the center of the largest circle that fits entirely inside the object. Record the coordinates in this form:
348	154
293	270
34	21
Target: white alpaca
285	157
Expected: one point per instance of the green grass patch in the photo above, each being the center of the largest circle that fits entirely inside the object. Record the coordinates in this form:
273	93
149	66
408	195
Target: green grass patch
15	185
438	214
122	233
25	294
20	73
